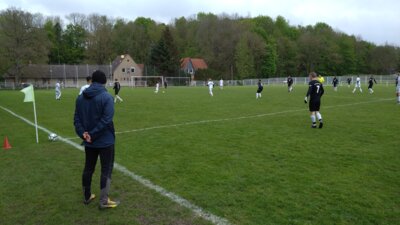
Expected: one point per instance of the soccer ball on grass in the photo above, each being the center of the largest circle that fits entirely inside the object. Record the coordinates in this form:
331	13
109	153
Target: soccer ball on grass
53	137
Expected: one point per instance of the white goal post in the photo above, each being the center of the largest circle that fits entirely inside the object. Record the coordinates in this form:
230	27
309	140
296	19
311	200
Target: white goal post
145	81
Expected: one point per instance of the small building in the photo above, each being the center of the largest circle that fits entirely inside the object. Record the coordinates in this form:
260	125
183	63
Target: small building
191	65
124	67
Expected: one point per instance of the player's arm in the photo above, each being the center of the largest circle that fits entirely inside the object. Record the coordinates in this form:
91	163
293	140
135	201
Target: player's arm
308	93
79	129
321	90
105	120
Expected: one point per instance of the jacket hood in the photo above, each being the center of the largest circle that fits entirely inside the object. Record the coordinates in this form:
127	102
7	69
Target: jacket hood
93	90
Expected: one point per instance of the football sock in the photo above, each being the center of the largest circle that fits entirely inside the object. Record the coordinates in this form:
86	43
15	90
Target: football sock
319	117
398	99
259	95
313	119
256	95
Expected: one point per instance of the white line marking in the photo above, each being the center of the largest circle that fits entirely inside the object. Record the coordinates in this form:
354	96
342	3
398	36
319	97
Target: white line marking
244	117
181	201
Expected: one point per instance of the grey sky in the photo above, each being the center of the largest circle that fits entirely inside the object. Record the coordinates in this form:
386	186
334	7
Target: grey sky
374	21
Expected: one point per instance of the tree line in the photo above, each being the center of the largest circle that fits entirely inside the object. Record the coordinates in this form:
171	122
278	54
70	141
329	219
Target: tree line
234	47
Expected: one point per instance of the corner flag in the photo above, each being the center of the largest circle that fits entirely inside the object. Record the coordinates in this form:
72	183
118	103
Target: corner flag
30	97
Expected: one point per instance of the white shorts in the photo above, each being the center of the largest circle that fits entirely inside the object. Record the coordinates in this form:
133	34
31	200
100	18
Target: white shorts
358	85
398	89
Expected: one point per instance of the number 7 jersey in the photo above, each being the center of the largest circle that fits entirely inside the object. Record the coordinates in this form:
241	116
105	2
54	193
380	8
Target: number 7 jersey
315	90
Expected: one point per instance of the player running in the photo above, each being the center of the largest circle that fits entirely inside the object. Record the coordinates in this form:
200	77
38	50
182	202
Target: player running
370	84
58	91
290	83
259	89
117	88
358	84
335	83
315	91
210	85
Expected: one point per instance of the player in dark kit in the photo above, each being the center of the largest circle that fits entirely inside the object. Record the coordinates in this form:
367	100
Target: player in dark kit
117	88
370	84
315	91
335	82
259	90
290	83
348	81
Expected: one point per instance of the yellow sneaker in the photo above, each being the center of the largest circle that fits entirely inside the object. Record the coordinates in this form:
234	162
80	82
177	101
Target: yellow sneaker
109	204
92	196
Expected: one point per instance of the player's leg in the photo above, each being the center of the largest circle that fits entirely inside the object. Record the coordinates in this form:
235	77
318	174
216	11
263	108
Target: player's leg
313	119
319	118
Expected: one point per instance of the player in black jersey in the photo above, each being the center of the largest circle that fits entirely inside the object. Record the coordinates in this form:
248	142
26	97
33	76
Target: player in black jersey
290	83
335	83
117	88
370	84
315	91
259	89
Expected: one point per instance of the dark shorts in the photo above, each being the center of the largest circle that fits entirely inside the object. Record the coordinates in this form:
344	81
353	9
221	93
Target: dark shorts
260	90
314	106
370	86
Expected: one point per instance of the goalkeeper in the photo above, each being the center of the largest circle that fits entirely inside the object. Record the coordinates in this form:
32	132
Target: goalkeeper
315	92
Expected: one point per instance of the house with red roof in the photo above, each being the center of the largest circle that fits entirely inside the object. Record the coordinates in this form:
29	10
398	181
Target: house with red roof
191	65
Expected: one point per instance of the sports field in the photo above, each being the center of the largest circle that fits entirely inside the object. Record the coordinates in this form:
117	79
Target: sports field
236	159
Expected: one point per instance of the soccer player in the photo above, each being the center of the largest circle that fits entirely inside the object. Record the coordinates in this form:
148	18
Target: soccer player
398	87
221	84
157	87
315	92
358	84
93	121
210	85
165	83
259	89
348	82
290	83
58	91
370	84
88	82
117	88
335	82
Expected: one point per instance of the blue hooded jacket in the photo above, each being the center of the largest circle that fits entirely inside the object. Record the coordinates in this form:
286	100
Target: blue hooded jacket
94	112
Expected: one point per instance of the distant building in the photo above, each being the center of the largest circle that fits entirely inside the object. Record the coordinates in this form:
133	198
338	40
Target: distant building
192	65
124	67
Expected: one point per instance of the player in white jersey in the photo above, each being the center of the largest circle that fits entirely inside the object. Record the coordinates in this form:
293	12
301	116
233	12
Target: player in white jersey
157	87
221	84
58	91
358	84
89	81
210	85
398	87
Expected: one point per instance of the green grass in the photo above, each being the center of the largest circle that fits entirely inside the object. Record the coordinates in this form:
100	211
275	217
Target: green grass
266	169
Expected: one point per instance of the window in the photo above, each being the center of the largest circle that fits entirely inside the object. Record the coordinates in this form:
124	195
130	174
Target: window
132	69
123	70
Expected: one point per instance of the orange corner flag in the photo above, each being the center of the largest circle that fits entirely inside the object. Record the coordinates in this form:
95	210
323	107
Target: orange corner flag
6	144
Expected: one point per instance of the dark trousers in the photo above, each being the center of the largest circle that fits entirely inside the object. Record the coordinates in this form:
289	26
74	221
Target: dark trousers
107	165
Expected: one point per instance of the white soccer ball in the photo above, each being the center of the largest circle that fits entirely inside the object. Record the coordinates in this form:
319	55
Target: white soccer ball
53	137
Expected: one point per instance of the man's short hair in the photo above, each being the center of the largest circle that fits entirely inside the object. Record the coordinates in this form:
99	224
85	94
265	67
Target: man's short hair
313	74
99	77
88	78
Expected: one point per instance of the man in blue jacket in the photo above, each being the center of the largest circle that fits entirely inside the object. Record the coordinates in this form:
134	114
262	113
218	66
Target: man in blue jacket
93	121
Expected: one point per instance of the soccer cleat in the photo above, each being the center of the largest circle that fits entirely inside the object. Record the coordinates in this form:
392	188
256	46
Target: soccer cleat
109	204
314	126
321	125
92	196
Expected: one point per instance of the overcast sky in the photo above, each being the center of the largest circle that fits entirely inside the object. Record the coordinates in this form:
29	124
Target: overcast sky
375	21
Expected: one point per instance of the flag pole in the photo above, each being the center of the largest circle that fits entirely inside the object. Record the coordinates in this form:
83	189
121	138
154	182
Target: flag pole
36	126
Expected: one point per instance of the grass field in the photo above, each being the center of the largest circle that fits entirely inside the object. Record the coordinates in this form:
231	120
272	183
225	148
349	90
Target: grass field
246	160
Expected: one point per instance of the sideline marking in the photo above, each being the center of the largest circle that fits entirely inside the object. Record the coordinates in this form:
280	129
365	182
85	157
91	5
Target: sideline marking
181	201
